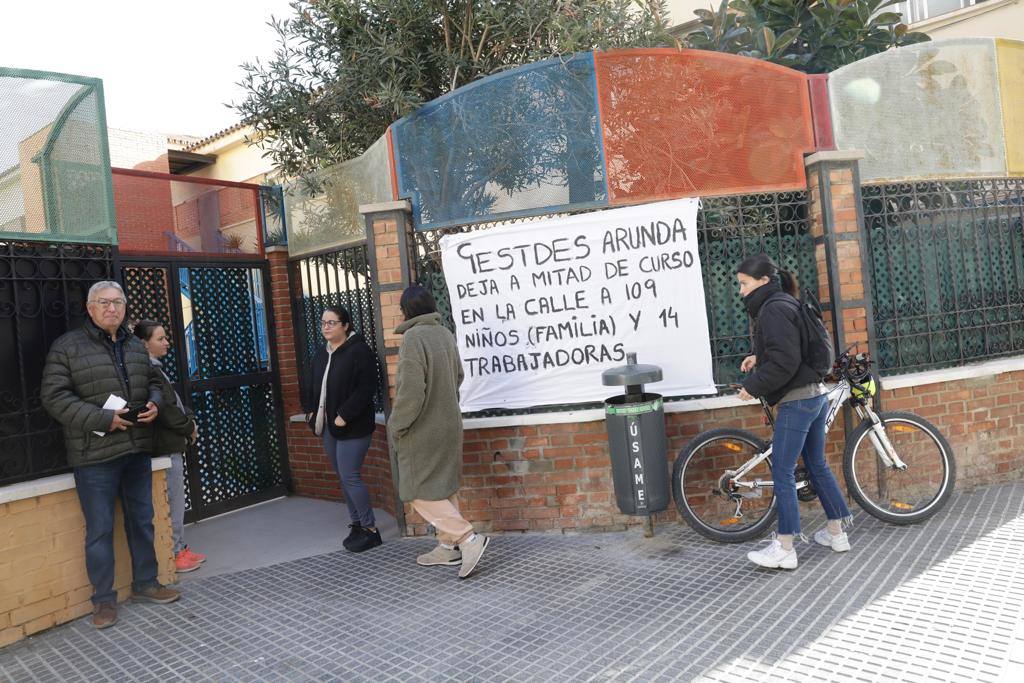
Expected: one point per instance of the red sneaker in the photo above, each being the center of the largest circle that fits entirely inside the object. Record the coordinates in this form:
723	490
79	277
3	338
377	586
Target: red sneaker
196	557
183	563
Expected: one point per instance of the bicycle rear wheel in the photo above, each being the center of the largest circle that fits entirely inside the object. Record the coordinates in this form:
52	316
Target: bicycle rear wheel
704	495
900	497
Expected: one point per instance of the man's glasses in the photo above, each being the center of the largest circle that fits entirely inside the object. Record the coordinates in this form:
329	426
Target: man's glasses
116	303
330	324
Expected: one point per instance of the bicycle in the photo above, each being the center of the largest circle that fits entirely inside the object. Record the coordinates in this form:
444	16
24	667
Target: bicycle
897	465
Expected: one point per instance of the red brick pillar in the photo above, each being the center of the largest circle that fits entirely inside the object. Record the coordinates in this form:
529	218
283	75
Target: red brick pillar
390	248
309	473
833	182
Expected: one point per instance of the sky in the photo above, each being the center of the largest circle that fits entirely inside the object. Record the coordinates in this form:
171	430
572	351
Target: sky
167	67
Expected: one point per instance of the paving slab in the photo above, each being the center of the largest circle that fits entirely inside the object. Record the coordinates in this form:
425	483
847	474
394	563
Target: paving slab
937	601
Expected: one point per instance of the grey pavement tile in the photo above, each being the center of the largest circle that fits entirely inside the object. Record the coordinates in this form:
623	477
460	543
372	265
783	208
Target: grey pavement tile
940	601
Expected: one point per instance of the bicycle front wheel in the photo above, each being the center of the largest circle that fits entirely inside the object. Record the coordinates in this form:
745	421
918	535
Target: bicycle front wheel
895	496
706	495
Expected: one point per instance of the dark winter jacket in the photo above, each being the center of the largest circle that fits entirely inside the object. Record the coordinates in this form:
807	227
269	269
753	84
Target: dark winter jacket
777	344
81	372
351	384
174	425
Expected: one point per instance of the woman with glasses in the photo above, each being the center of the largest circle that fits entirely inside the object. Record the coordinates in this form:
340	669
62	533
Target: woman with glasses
338	400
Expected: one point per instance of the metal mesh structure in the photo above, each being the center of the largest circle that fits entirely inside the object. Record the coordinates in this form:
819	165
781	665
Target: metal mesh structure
522	142
54	164
947	271
43	289
925	110
323	209
728	230
162	214
690	123
149	297
240	445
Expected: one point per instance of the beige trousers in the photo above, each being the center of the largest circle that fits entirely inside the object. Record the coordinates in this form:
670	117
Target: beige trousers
452	528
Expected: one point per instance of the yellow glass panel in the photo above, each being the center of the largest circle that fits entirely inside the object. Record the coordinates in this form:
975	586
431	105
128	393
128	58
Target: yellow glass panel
1010	59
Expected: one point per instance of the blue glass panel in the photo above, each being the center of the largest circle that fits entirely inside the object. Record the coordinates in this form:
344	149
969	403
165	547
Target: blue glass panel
526	141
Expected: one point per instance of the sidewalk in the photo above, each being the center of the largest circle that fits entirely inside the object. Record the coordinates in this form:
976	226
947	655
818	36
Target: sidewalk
939	601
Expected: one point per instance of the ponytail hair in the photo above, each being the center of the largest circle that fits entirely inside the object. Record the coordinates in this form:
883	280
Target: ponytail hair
761	265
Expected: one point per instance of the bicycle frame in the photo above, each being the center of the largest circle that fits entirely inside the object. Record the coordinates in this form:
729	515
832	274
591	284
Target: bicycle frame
838	394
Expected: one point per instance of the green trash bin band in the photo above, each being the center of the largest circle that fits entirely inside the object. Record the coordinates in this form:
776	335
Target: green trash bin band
635	408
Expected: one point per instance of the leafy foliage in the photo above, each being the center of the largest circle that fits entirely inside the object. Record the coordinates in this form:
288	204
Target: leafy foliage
815	36
345	69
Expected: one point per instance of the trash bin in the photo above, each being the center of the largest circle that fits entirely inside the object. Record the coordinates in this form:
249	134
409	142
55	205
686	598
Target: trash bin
636	436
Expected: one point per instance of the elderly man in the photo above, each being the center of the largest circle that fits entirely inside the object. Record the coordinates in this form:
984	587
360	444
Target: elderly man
109	449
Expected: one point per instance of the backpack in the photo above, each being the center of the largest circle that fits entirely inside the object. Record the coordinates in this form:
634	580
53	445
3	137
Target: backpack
819	352
816	346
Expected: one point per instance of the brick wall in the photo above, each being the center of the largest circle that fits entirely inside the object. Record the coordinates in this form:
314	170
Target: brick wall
982	419
43	581
144	211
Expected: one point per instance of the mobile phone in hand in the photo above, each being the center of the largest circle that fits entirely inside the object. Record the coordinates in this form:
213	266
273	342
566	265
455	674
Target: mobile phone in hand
133	413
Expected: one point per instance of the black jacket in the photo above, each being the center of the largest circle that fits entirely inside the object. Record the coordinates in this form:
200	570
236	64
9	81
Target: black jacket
174	426
81	372
777	344
350	387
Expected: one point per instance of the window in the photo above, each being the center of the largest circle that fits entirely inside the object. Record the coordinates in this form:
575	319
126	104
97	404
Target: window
914	11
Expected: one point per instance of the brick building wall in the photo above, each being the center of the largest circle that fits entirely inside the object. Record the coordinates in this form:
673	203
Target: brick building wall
43	581
144	211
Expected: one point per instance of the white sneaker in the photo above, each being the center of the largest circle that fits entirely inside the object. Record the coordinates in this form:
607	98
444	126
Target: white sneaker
774	556
840	543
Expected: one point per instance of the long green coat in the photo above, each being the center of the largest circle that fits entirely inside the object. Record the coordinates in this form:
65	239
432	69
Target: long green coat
425	425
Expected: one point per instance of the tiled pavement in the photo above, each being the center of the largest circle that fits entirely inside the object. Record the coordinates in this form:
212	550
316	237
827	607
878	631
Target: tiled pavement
938	601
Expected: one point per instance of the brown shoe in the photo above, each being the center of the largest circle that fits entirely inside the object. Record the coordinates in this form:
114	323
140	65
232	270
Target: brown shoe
156	593
104	615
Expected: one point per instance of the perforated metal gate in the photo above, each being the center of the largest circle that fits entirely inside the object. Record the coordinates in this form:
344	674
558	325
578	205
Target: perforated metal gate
221	362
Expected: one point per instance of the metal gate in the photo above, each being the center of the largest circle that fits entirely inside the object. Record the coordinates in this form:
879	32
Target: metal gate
222	363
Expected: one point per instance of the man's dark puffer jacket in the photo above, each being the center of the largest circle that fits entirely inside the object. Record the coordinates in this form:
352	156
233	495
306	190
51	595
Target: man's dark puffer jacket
777	344
80	374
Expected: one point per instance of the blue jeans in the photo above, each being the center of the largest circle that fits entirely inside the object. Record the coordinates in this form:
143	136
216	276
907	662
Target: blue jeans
346	456
800	429
98	486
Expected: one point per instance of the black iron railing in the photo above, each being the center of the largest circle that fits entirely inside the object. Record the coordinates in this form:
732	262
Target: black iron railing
947	271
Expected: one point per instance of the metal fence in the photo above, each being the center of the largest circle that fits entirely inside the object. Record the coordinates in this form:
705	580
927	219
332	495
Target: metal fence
728	230
43	289
340	277
54	163
947	271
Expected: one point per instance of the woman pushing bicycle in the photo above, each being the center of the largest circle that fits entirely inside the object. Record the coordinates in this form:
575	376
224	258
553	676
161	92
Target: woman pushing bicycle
779	374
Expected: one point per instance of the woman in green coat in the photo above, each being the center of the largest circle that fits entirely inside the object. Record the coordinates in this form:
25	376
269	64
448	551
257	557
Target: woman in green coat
425	427
174	431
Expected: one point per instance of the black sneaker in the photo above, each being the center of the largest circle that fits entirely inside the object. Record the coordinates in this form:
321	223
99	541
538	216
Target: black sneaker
352	535
367	539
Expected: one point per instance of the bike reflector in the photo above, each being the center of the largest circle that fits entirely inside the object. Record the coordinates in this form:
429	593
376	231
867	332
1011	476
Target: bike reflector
901	506
732	446
729	521
900	428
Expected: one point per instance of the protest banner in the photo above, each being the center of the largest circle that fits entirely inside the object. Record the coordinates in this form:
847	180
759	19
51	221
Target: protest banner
542	308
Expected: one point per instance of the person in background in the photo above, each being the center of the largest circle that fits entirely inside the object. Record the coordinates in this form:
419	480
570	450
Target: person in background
779	374
425	428
109	449
174	430
339	409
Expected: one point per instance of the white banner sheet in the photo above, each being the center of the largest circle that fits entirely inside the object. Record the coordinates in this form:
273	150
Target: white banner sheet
542	308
